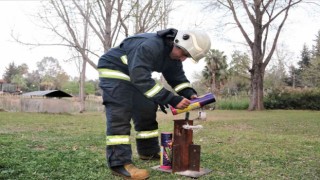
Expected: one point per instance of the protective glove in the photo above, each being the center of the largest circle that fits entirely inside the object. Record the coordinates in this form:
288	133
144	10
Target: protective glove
163	108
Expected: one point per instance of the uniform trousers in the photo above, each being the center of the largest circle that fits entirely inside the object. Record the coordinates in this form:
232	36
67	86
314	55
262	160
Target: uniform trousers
124	102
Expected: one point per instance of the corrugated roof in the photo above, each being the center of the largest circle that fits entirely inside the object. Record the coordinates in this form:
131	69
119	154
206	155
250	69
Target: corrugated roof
48	93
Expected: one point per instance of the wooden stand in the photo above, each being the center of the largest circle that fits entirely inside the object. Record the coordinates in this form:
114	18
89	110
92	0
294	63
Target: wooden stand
186	155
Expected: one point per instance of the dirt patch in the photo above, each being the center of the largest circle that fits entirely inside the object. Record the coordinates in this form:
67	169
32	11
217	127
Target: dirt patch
39	148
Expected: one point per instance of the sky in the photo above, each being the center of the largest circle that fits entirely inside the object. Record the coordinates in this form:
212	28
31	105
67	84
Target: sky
301	28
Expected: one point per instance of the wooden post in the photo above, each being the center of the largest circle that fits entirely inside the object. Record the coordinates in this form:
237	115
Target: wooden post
186	155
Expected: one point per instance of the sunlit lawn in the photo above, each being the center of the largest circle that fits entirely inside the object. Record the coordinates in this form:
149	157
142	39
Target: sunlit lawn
234	145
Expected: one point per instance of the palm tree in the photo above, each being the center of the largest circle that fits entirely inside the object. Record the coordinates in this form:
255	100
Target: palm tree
215	72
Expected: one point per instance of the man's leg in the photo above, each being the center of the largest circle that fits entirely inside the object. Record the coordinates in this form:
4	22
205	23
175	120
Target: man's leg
117	98
146	126
118	116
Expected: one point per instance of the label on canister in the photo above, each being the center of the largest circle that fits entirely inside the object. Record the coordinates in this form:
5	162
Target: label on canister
166	150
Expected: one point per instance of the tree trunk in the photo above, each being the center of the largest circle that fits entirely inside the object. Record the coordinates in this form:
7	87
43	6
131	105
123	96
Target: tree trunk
213	84
256	98
81	88
218	86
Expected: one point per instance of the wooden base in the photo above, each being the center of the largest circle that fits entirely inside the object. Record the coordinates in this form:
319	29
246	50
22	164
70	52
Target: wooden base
188	173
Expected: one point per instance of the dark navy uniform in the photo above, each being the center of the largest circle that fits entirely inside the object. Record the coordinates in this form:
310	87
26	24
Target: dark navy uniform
129	92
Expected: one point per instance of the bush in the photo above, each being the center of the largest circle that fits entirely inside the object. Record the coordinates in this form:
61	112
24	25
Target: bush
302	99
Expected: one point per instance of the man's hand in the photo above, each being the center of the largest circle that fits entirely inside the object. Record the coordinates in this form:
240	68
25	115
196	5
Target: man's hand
183	103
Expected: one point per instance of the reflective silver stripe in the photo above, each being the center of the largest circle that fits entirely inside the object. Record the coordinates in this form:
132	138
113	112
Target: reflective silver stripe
181	86
109	73
147	134
118	139
153	91
124	59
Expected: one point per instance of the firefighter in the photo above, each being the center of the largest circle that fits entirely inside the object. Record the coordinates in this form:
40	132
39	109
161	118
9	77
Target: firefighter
129	92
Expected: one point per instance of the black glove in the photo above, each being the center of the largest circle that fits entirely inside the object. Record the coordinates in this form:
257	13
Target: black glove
163	108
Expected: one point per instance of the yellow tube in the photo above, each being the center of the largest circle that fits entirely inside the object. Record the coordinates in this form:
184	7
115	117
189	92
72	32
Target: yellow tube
190	107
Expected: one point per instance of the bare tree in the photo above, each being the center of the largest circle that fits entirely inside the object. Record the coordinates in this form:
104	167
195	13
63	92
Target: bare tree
267	18
79	25
49	70
143	16
276	74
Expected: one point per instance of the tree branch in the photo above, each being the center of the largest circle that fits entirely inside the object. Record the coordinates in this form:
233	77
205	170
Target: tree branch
231	7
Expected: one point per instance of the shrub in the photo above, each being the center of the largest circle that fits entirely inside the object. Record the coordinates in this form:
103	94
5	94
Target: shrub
302	99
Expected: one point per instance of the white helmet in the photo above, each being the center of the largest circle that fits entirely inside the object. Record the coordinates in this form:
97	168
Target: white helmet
197	43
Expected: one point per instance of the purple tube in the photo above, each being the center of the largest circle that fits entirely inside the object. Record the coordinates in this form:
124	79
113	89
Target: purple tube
195	103
204	100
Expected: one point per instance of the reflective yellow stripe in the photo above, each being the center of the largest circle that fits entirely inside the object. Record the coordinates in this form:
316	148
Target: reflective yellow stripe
109	73
181	86
118	139
147	134
124	59
153	91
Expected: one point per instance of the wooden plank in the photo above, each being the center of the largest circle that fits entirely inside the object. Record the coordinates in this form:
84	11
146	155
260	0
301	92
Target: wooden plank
187	173
183	138
176	158
194	157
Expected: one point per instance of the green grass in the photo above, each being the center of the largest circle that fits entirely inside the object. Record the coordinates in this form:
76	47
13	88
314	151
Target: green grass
234	145
233	103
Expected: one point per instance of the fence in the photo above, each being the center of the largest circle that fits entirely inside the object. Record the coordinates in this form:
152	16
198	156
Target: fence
15	103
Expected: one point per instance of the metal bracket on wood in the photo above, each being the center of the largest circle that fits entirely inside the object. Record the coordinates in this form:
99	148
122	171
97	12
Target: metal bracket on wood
186	155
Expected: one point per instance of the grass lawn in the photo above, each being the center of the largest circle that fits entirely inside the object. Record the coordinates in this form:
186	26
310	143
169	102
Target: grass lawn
234	145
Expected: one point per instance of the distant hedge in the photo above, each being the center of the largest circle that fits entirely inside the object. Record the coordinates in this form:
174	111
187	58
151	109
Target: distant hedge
303	99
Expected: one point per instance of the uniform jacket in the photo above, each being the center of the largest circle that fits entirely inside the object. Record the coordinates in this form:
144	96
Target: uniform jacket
140	55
